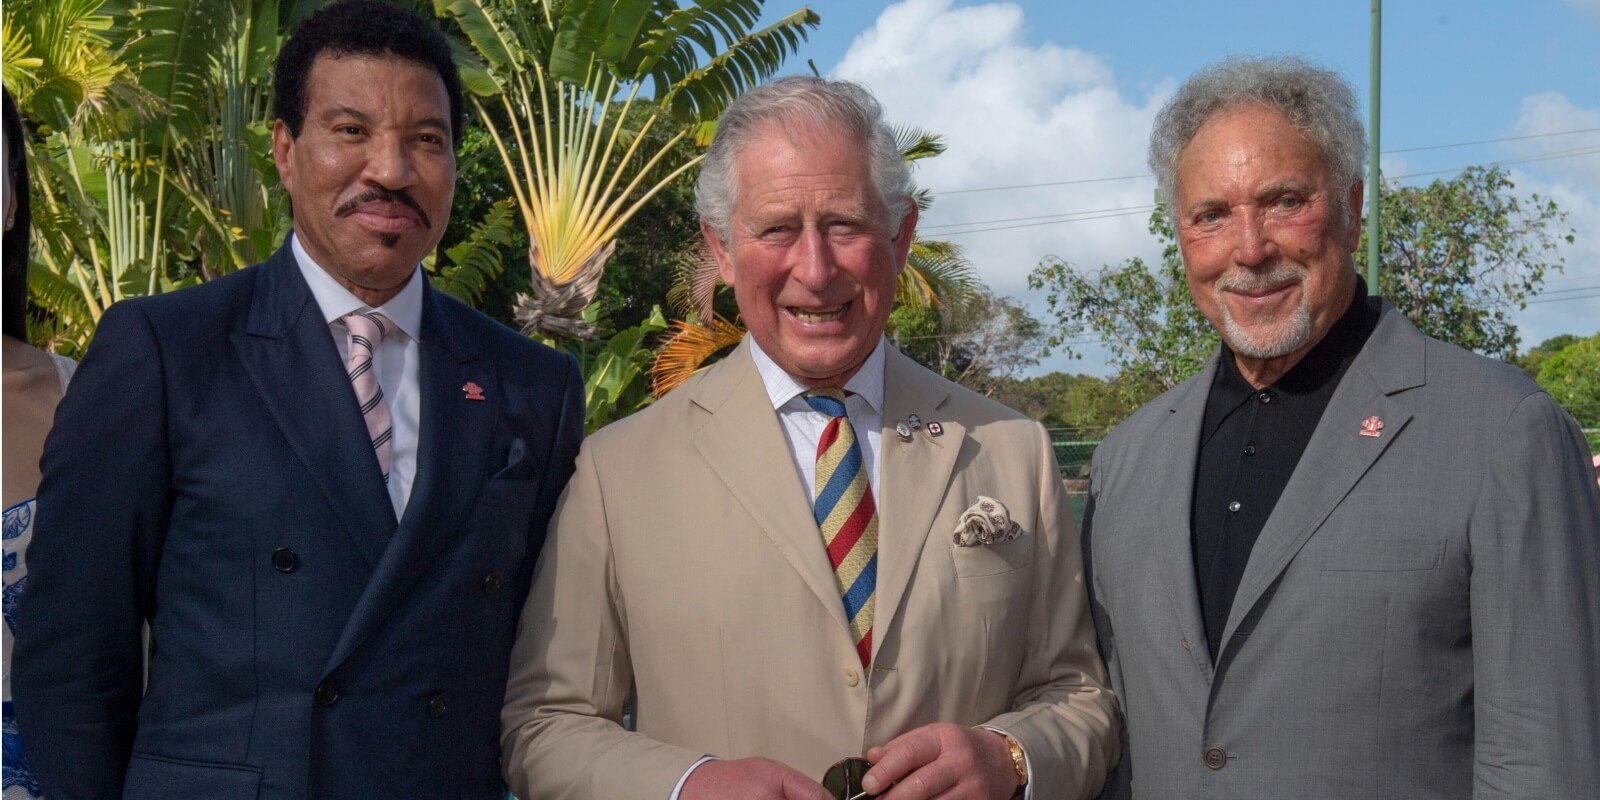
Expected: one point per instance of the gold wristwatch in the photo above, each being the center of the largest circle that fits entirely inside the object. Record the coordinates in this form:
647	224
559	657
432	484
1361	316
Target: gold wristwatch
1017	760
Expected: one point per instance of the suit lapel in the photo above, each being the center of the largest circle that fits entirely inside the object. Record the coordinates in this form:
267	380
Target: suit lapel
452	460
914	479
285	348
1176	446
1337	456
741	440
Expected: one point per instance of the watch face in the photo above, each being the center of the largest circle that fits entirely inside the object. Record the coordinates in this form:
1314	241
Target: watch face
843	780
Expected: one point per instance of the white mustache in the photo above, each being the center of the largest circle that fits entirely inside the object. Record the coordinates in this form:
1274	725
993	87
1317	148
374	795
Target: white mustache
1253	282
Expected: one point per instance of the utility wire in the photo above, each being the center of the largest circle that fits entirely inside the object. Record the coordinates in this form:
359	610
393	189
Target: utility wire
1386	152
1107	213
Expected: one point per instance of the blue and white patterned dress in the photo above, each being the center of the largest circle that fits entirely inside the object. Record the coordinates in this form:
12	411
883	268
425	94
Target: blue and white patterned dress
18	780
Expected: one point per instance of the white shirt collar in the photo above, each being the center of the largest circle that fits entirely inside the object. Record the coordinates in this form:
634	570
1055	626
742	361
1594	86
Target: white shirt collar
867	383
404	309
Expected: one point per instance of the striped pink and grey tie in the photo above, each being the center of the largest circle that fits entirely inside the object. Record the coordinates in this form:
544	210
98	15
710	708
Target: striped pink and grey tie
367	329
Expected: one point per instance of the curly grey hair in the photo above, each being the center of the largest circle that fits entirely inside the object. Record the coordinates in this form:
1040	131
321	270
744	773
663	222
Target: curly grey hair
1316	101
792	102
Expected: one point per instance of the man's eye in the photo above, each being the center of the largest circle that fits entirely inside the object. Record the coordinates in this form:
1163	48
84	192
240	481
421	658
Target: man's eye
1289	202
349	130
1209	216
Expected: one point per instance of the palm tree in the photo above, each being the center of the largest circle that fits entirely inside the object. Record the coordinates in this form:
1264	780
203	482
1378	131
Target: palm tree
570	91
150	159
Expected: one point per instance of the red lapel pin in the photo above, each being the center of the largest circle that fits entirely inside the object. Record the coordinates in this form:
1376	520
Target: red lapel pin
473	391
1372	426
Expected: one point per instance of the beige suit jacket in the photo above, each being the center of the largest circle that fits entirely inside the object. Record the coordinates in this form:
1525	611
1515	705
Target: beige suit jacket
684	563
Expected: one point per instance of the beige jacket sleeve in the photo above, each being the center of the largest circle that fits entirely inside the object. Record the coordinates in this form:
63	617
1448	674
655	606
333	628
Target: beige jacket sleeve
1064	714
561	732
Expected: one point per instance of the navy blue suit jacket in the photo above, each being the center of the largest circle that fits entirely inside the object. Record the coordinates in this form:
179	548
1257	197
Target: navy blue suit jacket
210	474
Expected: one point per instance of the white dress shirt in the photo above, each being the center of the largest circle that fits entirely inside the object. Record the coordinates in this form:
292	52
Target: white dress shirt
803	426
395	361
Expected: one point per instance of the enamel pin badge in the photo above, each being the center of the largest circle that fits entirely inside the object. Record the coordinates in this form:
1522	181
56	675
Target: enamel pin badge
1372	426
473	391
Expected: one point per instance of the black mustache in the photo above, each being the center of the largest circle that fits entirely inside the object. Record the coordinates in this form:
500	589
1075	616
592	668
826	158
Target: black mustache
380	194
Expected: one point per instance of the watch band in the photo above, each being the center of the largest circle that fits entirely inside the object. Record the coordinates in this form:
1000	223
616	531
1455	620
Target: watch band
1018	762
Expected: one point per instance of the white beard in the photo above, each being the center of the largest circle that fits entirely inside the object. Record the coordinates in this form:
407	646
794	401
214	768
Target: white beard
1277	339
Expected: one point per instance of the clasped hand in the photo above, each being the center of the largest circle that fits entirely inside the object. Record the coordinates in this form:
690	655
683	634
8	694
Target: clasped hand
942	760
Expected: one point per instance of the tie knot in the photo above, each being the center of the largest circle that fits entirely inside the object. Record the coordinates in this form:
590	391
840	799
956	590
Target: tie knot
368	327
827	402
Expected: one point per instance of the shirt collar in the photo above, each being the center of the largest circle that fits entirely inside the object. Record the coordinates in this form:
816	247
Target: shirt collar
404	309
1323	363
782	388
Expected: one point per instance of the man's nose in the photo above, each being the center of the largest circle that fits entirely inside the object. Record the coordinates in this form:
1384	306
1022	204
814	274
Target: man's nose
814	264
1254	245
389	164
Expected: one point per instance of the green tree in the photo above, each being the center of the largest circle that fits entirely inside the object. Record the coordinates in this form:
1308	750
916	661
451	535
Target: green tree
1144	317
1572	377
1087	405
1461	255
1534	360
977	339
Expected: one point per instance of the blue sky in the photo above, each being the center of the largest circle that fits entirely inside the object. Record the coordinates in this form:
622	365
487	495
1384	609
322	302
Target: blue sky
1035	92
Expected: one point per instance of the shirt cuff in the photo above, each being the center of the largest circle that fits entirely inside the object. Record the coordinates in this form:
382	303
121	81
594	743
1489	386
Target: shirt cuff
696	765
1027	790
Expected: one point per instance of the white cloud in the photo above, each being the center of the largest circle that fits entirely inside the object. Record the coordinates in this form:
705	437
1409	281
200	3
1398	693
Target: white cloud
1574	184
1013	113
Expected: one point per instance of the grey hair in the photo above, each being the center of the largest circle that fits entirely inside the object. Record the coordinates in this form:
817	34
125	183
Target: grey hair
796	102
1317	101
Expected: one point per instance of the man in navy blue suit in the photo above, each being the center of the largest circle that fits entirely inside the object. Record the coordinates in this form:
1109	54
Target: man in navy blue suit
319	482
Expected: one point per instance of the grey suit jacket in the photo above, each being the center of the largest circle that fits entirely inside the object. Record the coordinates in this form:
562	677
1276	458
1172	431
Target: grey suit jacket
1419	618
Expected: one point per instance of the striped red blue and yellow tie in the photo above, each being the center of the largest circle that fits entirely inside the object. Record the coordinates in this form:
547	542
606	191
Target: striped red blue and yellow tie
847	516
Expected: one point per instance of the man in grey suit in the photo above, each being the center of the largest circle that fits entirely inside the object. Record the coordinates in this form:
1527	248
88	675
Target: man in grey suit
1345	560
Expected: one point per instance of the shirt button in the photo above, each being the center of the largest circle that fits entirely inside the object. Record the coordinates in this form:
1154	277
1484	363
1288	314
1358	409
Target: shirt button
1234	506
1249	449
492	583
1266	397
437	706
1216	757
284	560
851	677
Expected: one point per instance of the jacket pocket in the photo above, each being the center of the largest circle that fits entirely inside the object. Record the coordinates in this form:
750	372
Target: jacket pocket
1385	555
159	778
519	493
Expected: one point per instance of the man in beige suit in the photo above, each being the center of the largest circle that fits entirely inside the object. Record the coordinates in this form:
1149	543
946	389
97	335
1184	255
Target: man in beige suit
772	567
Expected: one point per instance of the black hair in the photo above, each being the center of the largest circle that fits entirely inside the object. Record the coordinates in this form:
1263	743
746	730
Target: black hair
14	290
362	28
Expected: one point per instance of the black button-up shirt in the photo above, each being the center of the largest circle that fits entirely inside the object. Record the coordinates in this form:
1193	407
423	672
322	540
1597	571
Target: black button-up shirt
1250	443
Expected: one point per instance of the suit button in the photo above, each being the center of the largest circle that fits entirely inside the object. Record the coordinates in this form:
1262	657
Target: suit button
284	560
1216	757
327	694
851	677
492	583
437	706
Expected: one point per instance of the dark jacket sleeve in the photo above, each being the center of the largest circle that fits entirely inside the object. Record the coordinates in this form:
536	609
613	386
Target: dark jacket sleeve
563	457
103	506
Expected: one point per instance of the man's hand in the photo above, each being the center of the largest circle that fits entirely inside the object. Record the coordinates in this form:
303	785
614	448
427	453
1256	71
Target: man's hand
943	760
750	779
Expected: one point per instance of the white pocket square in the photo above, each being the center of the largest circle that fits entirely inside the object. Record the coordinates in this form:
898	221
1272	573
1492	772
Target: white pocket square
986	522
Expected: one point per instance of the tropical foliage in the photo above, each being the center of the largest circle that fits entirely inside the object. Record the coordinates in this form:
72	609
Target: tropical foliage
571	92
149	157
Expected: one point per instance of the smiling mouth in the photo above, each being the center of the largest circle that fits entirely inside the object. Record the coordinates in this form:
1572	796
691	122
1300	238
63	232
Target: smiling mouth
817	316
